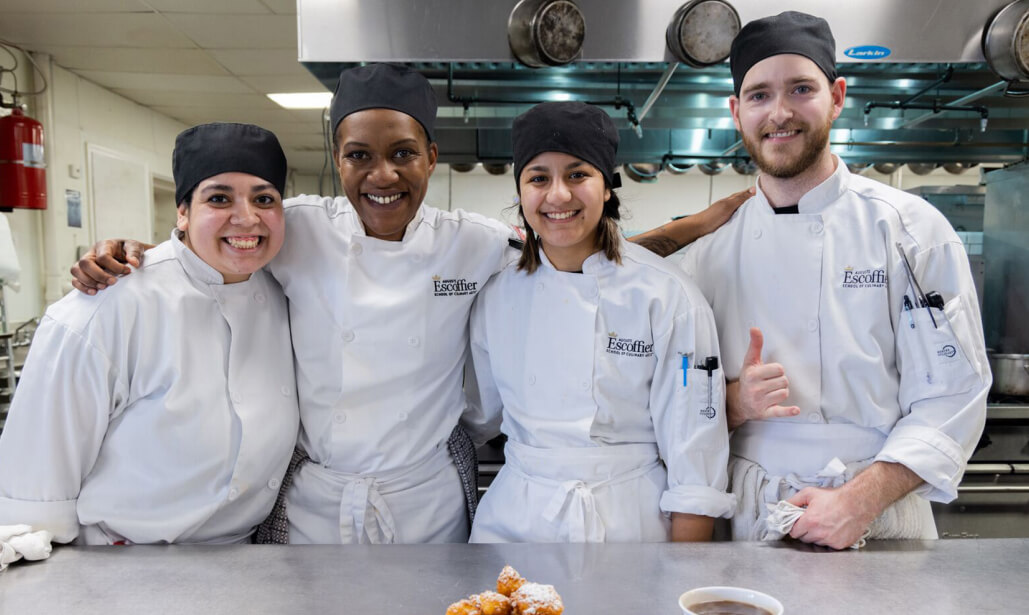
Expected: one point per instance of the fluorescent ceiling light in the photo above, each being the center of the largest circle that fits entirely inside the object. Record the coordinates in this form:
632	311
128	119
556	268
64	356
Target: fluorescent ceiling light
302	100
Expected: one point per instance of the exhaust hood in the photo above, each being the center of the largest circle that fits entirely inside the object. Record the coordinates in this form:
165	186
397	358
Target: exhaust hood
919	85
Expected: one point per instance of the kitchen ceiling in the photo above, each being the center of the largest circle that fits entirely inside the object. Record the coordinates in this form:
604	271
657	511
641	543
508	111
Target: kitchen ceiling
214	60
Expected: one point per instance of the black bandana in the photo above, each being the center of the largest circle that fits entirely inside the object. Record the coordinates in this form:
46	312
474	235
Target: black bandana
210	149
573	128
789	32
384	86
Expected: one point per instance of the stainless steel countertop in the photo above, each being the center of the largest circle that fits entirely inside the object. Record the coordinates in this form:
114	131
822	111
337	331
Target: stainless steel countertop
911	577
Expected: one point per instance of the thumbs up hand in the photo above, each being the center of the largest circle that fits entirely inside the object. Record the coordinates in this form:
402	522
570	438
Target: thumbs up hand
760	389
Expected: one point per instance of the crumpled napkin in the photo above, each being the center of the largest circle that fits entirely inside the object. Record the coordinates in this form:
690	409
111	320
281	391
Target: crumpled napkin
782	515
19	541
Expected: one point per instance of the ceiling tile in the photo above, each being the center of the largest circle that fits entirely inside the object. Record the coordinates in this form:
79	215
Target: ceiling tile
225	7
93	30
259	61
127	60
303	82
165	82
152	98
227	114
62	6
238	31
282	7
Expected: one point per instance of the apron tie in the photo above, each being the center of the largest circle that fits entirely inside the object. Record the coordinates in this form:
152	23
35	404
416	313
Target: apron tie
584	522
363	508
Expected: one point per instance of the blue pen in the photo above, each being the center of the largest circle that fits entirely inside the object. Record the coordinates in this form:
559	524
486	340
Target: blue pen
907	308
685	368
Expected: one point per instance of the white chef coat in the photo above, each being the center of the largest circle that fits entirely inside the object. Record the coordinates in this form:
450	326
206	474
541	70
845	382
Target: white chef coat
587	369
380	335
826	287
161	410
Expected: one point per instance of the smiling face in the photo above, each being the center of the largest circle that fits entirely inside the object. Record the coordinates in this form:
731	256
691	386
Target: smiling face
234	223
784	112
562	199
385	161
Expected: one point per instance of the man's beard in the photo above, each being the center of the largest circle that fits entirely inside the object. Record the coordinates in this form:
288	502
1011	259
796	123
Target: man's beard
778	165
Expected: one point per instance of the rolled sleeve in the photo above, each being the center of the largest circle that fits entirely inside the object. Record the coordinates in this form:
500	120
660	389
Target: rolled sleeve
59	518
695	446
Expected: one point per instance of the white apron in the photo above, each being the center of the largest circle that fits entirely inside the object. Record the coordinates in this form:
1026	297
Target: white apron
325	505
587	494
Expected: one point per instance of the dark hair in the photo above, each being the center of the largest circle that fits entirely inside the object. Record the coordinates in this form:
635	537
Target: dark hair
608	235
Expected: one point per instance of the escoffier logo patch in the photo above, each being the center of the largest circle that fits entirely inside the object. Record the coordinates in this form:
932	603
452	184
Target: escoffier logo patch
628	347
452	287
863	278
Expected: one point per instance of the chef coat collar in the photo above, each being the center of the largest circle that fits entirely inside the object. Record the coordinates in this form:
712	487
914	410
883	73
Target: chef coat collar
195	266
593	265
818	198
359	229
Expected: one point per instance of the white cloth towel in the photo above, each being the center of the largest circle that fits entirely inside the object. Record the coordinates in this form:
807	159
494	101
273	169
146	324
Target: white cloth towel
19	541
764	514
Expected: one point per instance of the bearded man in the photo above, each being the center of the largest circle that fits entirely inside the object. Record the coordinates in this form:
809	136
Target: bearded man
859	296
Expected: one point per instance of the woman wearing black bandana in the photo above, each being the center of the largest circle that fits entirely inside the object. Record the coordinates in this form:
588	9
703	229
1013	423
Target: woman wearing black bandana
141	416
587	346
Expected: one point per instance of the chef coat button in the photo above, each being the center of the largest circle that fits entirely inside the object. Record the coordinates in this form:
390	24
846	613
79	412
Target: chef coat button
348	336
816	227
416	258
812	325
340	417
539	285
814	417
412	341
757	233
596	292
259	297
235	398
286	391
273	483
585	384
356	249
233	494
402	416
532	379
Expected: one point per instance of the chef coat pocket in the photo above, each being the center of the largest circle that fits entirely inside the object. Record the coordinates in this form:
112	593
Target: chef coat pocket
705	408
934	364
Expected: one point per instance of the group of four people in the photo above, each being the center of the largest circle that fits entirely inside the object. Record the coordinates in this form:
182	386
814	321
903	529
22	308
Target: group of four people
600	361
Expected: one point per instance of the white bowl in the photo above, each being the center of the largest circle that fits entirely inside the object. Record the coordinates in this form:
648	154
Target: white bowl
739	594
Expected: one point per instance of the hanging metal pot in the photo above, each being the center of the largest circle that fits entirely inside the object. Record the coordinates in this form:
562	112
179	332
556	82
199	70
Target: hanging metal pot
701	32
921	168
546	32
711	168
1005	41
643	172
886	168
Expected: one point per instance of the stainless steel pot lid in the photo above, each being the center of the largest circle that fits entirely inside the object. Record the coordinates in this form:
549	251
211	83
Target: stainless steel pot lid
701	32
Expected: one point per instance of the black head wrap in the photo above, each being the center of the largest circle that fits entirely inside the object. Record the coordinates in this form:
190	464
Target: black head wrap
210	149
789	32
574	128
384	86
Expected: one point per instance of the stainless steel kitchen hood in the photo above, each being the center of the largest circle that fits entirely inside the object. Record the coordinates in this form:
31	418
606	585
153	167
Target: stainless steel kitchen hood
888	50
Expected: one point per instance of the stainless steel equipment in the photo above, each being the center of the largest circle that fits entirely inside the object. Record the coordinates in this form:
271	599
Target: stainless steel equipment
546	32
1006	251
1010	374
472	30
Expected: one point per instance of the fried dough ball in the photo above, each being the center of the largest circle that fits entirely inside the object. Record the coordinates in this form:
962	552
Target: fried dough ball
537	599
509	581
468	606
492	603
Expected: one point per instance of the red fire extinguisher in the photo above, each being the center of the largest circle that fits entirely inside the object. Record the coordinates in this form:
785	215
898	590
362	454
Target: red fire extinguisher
22	169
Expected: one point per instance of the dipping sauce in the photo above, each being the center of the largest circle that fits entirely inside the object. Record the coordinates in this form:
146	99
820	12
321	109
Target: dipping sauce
727	607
